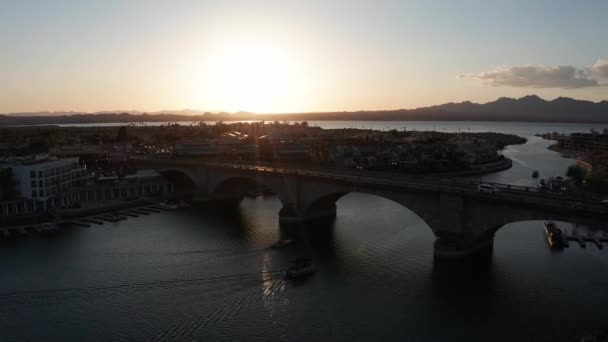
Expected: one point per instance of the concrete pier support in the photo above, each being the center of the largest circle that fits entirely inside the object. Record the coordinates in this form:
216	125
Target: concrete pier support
220	202
289	215
452	248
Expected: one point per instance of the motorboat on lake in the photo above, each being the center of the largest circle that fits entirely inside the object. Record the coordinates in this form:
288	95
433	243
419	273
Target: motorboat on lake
281	243
554	235
301	268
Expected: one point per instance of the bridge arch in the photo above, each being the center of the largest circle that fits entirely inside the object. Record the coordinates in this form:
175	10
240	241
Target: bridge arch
182	180
237	186
324	205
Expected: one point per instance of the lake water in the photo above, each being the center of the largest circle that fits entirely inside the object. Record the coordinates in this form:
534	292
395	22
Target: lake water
520	128
202	275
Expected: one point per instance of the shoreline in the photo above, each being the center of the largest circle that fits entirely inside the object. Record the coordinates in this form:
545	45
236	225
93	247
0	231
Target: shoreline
112	123
482	169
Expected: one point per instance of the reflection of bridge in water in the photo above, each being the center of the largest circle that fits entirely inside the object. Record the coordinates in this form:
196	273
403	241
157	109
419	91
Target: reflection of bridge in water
463	219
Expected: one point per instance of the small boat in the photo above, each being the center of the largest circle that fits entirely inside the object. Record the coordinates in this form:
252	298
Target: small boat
253	194
542	184
301	268
281	243
554	234
579	238
47	228
168	205
535	174
566	155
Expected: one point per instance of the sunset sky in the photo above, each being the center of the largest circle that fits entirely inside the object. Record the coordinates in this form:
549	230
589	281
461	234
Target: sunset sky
296	56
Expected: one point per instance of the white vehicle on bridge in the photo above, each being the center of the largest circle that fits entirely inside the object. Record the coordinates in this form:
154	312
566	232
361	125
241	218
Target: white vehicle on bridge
486	188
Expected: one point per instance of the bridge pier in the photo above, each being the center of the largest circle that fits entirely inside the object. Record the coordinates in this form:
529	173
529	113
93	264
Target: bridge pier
455	247
290	215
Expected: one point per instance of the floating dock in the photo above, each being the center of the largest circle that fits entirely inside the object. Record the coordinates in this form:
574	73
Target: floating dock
110	218
91	220
582	240
128	213
597	242
149	209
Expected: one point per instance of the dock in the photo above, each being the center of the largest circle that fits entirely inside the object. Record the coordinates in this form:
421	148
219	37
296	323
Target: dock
149	209
85	221
140	212
128	213
597	240
91	220
110	218
581	241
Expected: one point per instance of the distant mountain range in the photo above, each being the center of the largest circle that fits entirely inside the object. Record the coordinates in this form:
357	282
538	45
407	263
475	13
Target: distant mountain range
527	109
132	112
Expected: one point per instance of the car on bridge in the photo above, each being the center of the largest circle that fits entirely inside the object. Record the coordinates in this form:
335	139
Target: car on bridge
487	188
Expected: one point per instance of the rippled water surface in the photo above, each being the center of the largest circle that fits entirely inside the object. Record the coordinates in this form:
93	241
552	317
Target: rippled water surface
203	275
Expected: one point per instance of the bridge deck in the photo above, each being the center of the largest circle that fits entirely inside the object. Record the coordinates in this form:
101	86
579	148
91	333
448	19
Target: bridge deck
463	186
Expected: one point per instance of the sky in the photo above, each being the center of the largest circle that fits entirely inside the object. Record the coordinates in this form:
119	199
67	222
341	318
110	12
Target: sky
296	56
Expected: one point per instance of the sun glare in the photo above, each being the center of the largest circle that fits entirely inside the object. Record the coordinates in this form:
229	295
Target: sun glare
252	76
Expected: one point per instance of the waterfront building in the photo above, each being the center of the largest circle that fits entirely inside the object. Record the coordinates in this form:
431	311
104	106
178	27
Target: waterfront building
205	150
80	150
584	142
47	181
143	183
290	151
231	138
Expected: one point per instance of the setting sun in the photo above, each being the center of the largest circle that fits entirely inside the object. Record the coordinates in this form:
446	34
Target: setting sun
248	75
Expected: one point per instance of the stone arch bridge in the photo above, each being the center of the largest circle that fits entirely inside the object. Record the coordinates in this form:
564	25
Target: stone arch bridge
462	218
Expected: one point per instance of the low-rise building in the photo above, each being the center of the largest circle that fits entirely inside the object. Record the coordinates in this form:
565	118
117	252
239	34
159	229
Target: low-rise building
48	179
584	142
143	183
204	150
289	151
41	182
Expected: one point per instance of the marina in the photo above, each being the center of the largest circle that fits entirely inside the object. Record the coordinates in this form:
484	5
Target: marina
128	213
559	239
47	228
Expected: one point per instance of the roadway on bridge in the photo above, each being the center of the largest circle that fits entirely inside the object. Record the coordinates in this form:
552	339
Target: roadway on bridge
445	184
516	193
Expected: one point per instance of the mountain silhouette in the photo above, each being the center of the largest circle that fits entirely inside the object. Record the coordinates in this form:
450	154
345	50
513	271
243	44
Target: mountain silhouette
529	108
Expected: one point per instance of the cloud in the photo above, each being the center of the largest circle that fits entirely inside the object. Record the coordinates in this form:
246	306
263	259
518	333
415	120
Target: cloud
600	67
537	76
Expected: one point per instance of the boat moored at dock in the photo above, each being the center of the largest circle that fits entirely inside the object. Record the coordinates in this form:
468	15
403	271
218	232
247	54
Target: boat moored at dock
554	235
